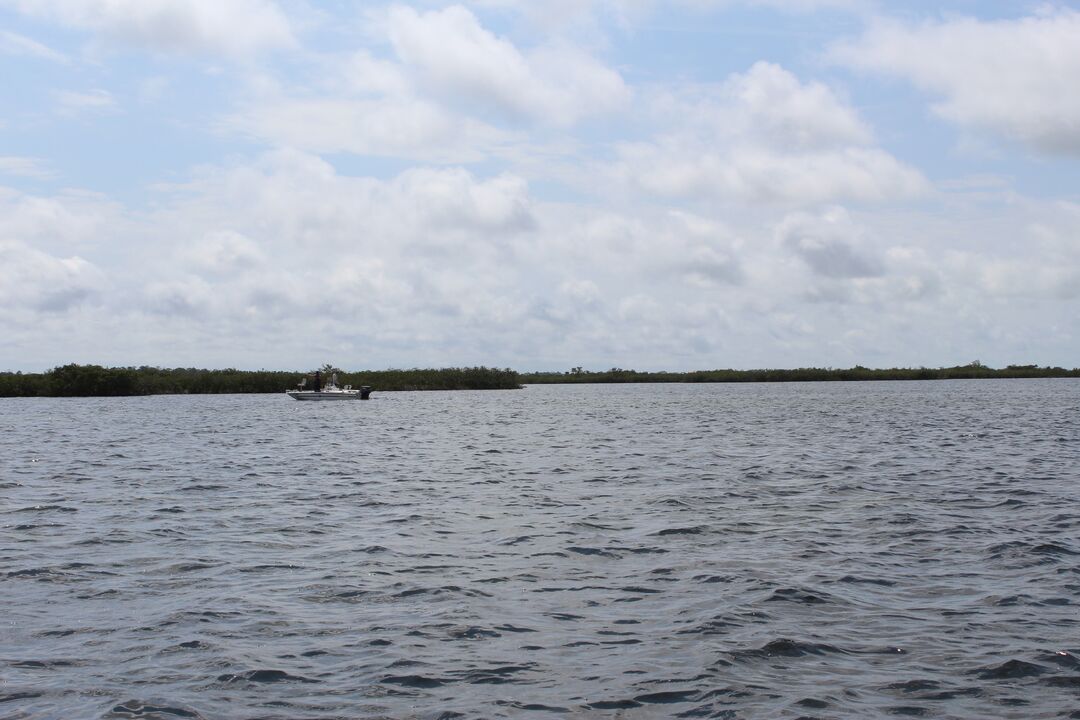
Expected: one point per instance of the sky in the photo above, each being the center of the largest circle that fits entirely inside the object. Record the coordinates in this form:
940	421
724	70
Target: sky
690	184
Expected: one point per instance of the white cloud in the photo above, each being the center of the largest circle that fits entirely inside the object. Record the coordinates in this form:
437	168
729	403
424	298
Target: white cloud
454	92
1010	278
364	74
225	252
764	136
20	45
453	57
80	103
232	28
29	167
829	244
153	89
797	6
631	13
470	267
557	16
771	103
675	167
396	127
441	266
300	197
1043	261
452	198
1014	77
707	231
289	238
72	222
187	297
31	279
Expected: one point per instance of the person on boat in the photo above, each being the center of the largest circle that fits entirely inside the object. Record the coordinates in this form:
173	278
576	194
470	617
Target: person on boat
318	381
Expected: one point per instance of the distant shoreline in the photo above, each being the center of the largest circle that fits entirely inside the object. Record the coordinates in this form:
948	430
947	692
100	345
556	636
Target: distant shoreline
971	371
96	381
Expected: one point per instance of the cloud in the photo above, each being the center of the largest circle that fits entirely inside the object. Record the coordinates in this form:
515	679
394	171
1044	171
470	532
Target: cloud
452	92
543	194
453	57
31	279
285	257
452	198
1013	77
797	6
80	103
558	14
406	127
20	45
1015	278
153	89
295	192
310	243
699	250
764	136
1043	261
771	102
829	244
470	267
72	222
844	260
225	252
367	107
28	167
234	28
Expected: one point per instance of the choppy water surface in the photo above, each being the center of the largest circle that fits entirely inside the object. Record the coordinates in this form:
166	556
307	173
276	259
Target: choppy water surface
733	551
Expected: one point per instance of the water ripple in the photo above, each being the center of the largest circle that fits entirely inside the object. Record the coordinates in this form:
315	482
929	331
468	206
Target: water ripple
736	551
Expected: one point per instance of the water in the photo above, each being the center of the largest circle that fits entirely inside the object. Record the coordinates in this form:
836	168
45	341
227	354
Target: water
733	551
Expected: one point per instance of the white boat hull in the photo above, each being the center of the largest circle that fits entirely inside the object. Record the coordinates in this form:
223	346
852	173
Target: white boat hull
329	391
323	396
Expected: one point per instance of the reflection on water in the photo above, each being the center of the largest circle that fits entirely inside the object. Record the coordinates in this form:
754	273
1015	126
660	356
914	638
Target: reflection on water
804	550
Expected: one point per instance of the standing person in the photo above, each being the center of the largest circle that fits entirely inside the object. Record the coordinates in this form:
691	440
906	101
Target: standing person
318	381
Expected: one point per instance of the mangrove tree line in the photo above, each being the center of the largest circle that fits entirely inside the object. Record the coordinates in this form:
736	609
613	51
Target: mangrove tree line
94	380
974	370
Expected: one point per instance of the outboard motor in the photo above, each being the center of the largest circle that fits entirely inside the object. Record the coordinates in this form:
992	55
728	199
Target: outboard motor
365	391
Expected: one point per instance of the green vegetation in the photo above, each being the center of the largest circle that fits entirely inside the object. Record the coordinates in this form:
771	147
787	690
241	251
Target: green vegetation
94	380
970	371
476	378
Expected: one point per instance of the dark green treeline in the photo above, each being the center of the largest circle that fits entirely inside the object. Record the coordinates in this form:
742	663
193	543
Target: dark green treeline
94	380
973	370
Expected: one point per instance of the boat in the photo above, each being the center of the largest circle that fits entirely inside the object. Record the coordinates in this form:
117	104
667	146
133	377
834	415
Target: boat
329	391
